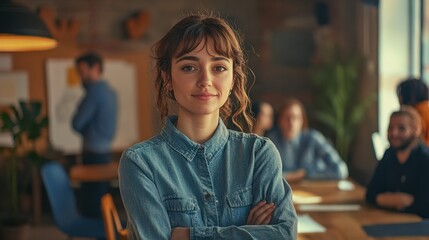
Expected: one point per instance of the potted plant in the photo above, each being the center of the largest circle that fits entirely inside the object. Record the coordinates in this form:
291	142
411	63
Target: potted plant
340	107
24	123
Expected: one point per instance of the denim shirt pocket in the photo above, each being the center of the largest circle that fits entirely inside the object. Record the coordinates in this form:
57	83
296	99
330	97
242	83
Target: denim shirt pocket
239	203
182	212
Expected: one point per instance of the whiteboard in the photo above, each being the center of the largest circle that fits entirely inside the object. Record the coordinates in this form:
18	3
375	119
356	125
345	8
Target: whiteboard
64	94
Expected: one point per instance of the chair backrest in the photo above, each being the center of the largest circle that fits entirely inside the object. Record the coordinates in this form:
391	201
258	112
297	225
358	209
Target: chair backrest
111	219
60	194
380	145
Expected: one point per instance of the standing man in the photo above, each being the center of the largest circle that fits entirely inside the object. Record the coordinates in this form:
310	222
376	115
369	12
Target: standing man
401	179
95	119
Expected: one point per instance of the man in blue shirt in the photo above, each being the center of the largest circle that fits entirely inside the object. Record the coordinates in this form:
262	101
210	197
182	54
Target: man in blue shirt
95	119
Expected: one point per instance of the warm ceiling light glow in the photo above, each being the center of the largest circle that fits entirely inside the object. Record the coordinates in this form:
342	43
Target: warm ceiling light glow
22	30
16	43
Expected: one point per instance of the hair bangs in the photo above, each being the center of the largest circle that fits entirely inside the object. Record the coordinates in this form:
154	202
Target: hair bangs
191	39
201	33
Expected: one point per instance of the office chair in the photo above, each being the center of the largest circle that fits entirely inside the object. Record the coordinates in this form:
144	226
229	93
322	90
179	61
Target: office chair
63	204
111	219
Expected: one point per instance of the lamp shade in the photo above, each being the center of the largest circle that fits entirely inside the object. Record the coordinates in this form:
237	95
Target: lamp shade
22	30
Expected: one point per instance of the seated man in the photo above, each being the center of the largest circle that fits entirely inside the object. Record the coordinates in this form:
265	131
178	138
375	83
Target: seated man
305	152
401	179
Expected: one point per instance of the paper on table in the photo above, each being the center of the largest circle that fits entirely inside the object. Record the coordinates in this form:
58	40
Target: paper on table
303	197
329	208
307	224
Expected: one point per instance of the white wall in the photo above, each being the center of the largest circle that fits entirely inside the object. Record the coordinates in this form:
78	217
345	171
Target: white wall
394	57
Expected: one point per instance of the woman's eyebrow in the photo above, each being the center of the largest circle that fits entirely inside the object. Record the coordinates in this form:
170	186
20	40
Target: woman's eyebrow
220	58
193	58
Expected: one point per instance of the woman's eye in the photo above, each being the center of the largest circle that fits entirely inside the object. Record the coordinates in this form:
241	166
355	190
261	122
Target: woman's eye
220	68
188	68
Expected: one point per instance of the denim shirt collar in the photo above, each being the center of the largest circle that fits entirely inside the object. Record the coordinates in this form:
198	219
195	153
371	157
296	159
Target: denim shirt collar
188	148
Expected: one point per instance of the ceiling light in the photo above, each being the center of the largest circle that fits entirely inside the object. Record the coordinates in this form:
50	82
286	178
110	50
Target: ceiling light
22	30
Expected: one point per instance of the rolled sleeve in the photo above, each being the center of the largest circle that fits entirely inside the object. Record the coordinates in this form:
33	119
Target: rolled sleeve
147	217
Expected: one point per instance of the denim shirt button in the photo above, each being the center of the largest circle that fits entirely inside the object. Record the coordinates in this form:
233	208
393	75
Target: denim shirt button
207	196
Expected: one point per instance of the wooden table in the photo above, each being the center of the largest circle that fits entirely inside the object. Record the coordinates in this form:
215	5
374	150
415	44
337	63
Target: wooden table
347	225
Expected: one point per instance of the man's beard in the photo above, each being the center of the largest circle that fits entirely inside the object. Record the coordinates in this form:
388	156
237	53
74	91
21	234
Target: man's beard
405	144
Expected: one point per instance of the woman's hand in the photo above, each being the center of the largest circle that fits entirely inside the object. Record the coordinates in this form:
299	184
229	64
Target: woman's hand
261	214
180	233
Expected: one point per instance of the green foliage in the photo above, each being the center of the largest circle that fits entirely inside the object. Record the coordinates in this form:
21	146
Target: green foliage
339	106
22	123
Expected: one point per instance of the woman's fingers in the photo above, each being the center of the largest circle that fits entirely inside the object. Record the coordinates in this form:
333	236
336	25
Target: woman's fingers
262	216
261	213
267	220
252	211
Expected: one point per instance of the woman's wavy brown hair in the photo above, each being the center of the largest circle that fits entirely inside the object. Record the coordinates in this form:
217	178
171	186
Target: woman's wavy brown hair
183	38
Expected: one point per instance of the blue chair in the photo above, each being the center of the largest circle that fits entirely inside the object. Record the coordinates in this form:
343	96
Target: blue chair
63	204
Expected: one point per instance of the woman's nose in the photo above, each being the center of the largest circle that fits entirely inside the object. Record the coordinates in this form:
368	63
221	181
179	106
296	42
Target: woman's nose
205	78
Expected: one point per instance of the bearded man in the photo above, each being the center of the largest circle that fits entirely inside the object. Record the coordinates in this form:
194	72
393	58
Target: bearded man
401	179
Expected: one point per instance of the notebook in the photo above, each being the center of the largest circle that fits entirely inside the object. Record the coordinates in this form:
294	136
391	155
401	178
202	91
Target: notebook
398	229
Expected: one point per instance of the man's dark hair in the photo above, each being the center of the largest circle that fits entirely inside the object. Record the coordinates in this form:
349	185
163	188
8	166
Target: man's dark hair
90	58
412	91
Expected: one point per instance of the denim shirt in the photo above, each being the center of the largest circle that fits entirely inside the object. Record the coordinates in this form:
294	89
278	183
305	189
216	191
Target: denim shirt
96	117
170	181
311	151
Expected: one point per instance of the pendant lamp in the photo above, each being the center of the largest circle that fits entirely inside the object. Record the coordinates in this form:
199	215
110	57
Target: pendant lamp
22	30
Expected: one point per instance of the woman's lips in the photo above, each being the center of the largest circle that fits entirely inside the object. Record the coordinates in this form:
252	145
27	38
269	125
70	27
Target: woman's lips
204	96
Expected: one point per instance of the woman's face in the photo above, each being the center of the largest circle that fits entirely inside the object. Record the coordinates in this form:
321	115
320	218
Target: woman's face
265	116
201	80
291	121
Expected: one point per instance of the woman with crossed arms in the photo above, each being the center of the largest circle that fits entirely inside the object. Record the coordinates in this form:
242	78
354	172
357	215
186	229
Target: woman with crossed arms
197	179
